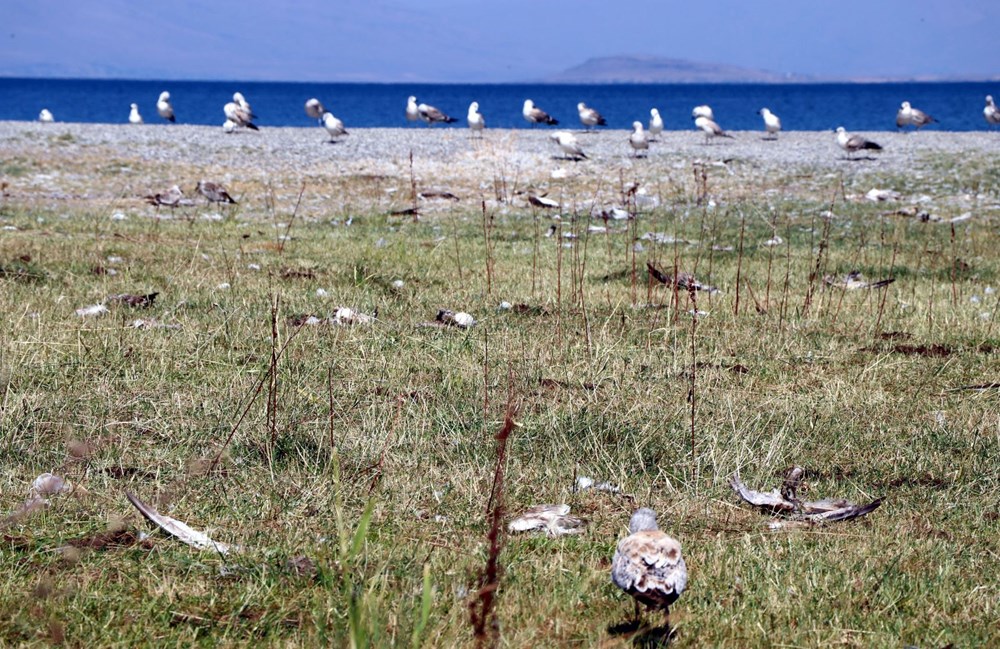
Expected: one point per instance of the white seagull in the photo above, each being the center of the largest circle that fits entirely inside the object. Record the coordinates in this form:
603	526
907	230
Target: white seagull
703	111
536	115
852	143
334	127
990	113
567	142
710	128
590	117
909	116
638	139
46	116
655	122
771	122
412	113
165	108
432	115
648	564
134	117
476	120
314	108
241	101
239	116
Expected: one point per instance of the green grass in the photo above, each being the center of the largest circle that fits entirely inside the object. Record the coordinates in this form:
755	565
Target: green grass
602	382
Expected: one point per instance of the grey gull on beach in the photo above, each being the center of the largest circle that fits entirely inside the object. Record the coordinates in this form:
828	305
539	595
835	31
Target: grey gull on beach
568	143
165	108
990	113
638	140
536	115
334	127
909	116
655	122
590	117
771	122
238	115
851	143
241	101
134	117
476	120
432	115
709	128
46	116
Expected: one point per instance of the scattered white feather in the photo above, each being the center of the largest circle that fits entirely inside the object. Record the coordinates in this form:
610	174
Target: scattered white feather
92	310
179	529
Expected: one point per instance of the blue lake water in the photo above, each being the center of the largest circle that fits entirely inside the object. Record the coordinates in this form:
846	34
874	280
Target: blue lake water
810	107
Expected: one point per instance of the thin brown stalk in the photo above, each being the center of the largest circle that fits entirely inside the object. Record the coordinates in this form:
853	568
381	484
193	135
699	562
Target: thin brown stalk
739	263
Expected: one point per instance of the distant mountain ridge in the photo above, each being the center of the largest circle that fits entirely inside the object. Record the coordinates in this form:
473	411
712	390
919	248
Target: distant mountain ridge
655	69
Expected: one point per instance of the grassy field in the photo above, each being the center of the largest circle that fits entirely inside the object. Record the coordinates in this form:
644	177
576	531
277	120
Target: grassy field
354	465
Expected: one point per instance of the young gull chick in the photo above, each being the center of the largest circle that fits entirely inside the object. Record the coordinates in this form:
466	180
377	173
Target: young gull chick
648	564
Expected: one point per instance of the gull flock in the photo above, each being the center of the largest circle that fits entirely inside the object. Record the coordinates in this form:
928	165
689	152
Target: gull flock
240	116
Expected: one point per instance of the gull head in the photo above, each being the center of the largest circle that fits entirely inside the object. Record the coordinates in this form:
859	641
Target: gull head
581	106
528	104
642	520
764	111
989	99
164	96
637	127
905	105
411	99
474	107
238	97
654	112
840	129
133	106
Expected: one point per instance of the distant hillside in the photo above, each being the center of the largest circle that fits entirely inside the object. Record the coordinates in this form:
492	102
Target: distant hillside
652	69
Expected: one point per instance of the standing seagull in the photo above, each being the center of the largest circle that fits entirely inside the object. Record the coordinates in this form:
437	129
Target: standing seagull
476	120
590	117
771	122
334	127
314	109
214	192
909	116
46	116
165	108
655	122
991	113
238	116
710	128
567	142
536	115
648	564
134	117
703	111
432	115
852	143
638	139
241	101
412	113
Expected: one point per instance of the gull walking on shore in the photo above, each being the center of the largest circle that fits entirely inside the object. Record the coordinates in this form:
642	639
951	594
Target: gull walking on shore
165	108
590	117
851	143
476	120
655	122
909	116
638	140
990	113
334	127
771	123
648	564
45	116
134	117
536	115
710	128
568	143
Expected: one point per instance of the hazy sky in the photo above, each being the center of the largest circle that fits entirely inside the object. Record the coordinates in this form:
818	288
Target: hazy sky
490	40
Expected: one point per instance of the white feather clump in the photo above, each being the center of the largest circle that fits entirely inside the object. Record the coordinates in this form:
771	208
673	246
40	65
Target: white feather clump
91	310
554	520
179	529
345	316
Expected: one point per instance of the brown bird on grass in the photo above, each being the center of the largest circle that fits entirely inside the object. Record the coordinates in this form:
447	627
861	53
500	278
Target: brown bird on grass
173	197
128	299
648	564
214	192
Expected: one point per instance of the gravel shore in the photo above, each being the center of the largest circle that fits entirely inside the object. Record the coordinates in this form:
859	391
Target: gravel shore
108	162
